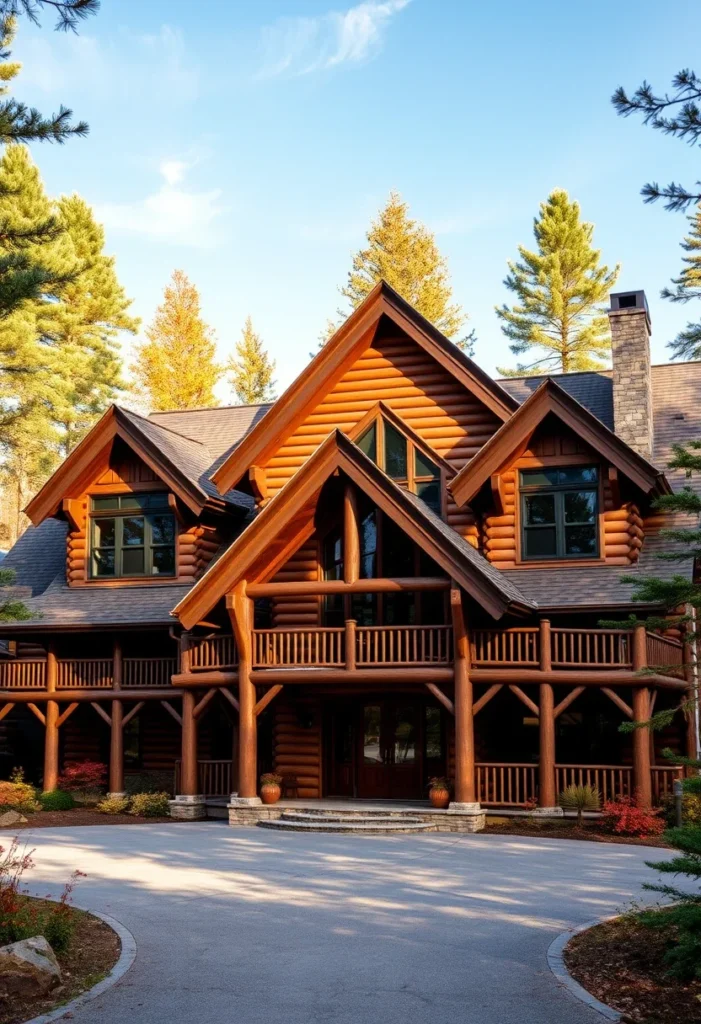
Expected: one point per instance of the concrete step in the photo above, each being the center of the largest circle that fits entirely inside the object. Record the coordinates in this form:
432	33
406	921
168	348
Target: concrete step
349	825
351	819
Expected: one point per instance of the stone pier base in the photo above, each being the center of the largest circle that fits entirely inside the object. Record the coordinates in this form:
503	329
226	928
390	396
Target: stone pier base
188	808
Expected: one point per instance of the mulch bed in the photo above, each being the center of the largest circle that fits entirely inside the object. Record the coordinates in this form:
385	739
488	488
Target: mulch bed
93	952
621	963
83	816
565	829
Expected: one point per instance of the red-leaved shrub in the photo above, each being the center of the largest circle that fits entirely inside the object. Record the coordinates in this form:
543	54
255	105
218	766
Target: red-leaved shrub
625	818
83	777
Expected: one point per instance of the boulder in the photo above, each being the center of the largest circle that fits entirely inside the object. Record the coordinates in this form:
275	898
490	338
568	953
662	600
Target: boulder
28	969
9	818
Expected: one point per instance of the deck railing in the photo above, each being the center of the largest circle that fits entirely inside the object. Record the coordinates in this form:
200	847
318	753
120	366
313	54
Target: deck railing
591	648
23	675
214	777
142	673
506	785
404	645
663	777
218	652
611	781
498	647
663	652
304	648
84	673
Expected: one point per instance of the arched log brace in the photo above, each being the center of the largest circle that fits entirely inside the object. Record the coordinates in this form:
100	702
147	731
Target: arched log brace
202	704
569	699
226	692
486	697
66	714
618	701
4	712
441	697
271	694
172	712
39	714
525	699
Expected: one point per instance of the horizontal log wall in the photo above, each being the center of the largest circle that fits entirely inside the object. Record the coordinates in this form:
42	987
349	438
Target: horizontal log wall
296	747
302	610
422	393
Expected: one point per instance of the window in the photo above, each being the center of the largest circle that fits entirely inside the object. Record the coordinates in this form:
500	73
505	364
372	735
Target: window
131	535
559	510
401	460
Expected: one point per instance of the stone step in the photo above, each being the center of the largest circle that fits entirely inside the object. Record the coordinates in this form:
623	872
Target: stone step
359	827
342	816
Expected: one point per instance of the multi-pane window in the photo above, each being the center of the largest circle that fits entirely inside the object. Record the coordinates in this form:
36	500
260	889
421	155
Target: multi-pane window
402	460
131	535
559	510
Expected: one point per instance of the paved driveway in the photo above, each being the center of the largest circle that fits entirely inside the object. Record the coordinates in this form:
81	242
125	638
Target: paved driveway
240	926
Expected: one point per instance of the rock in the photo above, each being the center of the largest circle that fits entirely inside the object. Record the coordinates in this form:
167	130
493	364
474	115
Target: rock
28	969
9	818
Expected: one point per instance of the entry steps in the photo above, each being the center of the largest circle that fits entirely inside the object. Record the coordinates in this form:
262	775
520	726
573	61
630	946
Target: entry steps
361	822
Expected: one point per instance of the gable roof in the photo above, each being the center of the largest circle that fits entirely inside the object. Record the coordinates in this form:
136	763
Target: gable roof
549	397
288	520
336	357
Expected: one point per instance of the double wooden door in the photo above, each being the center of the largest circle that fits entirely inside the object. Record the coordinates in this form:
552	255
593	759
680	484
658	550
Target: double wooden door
390	756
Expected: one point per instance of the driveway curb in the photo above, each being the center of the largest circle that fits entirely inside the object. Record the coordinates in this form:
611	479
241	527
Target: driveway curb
556	963
126	959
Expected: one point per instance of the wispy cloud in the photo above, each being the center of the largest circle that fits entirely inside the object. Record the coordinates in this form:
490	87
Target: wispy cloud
299	46
173	213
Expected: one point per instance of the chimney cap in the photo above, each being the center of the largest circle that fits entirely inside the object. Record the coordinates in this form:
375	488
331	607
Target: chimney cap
630	300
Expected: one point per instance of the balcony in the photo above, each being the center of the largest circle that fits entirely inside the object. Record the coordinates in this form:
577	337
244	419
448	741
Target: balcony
87	674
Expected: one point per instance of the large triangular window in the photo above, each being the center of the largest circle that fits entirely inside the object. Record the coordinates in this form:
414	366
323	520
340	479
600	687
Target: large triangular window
403	460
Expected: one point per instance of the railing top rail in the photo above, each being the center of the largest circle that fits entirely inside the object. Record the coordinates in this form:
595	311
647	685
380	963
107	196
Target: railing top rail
385	629
670	640
512	629
298	629
598	767
505	764
591	632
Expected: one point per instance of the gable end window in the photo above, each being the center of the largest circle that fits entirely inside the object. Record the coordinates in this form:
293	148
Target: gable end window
401	460
131	535
559	512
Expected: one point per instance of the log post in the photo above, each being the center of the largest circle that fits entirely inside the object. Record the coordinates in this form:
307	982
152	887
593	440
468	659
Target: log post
241	614
185	655
351	536
465	795
51	727
641	713
116	786
188	775
350	638
691	696
547	796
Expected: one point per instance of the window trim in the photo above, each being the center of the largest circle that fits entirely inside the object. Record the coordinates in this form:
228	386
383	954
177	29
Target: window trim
523	491
148	547
379	419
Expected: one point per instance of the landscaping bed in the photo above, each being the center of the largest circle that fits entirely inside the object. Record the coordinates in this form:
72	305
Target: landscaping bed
564	828
82	816
621	963
91	954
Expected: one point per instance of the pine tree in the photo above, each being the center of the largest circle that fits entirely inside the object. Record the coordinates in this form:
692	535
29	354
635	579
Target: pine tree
91	313
404	254
687	344
560	287
176	368
251	369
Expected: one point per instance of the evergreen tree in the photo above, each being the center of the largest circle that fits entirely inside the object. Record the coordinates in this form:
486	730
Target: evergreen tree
11	608
560	287
404	254
92	311
687	344
176	368
251	369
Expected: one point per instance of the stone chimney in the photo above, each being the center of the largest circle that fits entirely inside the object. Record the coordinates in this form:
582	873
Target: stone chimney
632	379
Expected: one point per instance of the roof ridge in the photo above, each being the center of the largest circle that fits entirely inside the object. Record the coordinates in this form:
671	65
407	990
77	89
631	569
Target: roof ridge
569	373
210	408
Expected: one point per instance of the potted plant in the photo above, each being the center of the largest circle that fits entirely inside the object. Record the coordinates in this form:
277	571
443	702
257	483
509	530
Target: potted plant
270	790
439	792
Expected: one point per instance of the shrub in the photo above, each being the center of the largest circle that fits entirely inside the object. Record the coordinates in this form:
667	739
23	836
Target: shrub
18	795
114	805
150	805
683	955
148	782
84	778
56	800
625	818
580	799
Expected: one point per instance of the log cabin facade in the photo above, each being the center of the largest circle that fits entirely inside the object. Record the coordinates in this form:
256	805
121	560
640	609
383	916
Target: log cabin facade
395	572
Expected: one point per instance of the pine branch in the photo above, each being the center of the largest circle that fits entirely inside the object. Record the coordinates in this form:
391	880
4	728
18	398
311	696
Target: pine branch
69	12
677	197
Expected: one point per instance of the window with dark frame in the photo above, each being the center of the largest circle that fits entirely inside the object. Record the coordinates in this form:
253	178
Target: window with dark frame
559	512
131	535
401	460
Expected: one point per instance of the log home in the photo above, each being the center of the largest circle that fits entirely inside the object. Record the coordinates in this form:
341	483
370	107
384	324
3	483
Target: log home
395	572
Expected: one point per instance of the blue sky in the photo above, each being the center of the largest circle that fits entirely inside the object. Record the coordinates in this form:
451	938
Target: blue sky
250	144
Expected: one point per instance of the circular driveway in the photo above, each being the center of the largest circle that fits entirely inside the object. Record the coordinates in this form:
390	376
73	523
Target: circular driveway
246	926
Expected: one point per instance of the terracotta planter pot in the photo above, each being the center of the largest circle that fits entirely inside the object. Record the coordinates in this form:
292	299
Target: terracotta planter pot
439	797
270	793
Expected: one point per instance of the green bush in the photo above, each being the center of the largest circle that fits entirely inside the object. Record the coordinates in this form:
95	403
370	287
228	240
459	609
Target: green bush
150	805
114	805
684	954
56	800
580	799
692	785
18	795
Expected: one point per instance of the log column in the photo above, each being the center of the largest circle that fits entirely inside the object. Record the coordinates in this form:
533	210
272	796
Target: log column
547	795
189	803
465	795
241	614
51	728
116	787
692	740
641	713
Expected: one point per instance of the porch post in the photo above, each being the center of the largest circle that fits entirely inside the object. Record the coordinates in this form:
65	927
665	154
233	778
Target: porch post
241	613
188	767
116	786
641	713
465	796
690	695
51	727
547	796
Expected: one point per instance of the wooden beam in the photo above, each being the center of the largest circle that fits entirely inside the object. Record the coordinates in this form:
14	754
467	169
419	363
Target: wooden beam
566	701
618	701
266	699
641	747
4	712
464	711
101	712
39	714
189	776
202	704
88	695
230	697
351	536
486	697
578	677
530	704
370	586
441	697
66	714
134	711
240	607
172	712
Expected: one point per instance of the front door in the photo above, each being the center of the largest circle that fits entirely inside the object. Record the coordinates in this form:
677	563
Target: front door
389	758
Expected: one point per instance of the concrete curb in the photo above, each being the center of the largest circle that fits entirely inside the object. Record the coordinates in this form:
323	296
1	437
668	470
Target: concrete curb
556	963
126	959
